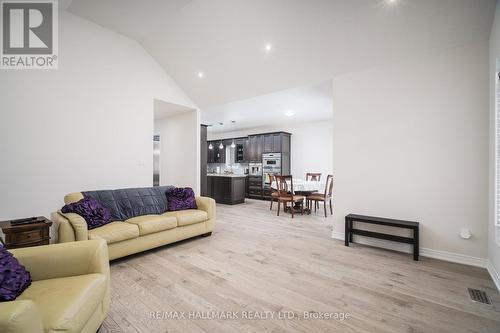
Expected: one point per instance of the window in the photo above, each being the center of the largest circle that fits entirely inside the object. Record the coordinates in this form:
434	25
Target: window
497	152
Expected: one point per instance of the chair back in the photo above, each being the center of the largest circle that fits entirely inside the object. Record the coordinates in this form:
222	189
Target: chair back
284	189
314	176
329	186
272	179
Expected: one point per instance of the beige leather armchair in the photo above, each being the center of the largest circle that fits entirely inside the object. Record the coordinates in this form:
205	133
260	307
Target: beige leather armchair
70	290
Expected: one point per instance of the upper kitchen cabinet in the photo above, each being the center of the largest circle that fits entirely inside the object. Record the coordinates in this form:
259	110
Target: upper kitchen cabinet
268	143
249	149
246	150
273	142
210	152
285	142
220	154
255	148
216	155
240	151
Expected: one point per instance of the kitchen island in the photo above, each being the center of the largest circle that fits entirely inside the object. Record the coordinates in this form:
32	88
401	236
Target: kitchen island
227	188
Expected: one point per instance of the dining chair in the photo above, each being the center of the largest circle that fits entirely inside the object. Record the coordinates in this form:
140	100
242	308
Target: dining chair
314	176
286	194
326	196
274	193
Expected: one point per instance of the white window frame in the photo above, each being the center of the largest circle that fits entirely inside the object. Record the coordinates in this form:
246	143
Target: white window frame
496	102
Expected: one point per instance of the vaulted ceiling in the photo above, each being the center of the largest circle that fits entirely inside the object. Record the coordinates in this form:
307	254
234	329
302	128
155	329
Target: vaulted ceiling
296	105
311	40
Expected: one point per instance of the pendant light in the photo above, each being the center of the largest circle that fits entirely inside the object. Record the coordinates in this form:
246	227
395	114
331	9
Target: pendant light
232	144
221	146
210	146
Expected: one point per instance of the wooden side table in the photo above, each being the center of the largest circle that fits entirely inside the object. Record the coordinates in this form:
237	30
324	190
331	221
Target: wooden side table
35	233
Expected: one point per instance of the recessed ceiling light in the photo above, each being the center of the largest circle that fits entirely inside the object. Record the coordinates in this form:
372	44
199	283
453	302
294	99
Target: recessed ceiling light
200	74
268	47
289	114
391	2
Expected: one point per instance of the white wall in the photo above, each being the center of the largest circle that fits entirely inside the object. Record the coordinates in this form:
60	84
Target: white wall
493	244
312	144
410	142
179	150
87	125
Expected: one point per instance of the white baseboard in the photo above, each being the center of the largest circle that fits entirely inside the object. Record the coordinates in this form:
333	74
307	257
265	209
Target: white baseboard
424	252
494	274
430	253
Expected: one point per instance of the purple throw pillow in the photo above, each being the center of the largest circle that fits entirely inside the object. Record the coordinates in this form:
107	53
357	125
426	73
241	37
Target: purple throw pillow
94	213
180	198
14	278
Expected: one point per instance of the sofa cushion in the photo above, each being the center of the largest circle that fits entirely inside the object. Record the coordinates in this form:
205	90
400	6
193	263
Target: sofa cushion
14	278
60	300
115	232
149	224
92	211
188	216
180	198
127	203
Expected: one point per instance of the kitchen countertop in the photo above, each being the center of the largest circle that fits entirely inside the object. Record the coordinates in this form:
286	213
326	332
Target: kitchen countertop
225	175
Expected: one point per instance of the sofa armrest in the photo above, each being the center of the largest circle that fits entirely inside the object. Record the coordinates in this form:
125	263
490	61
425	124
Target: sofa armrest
72	227
208	205
64	260
20	317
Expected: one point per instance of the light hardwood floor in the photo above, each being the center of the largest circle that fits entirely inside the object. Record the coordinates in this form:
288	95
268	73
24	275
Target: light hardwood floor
256	261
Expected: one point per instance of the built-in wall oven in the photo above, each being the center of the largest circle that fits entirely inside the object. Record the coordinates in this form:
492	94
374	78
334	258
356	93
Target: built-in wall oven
271	165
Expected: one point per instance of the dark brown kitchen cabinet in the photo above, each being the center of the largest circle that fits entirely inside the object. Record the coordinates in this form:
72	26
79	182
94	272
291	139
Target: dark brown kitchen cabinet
277	138
268	143
255	187
256	148
210	186
251	148
240	151
210	152
219	154
272	142
227	190
220	157
216	155
246	151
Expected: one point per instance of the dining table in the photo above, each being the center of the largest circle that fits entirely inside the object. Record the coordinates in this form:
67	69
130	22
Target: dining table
305	188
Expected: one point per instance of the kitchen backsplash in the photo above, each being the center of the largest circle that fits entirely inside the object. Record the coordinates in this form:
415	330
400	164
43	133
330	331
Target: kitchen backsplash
236	168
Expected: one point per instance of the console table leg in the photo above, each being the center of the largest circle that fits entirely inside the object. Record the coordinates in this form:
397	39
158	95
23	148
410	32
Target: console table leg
415	244
351	226
347	231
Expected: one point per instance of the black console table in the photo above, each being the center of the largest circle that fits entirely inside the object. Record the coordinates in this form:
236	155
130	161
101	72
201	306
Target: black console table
350	231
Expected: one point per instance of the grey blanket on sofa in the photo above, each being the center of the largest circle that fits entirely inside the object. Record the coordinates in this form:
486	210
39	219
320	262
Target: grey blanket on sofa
132	202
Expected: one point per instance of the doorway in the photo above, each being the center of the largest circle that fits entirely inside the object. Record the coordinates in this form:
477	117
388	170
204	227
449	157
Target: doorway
176	145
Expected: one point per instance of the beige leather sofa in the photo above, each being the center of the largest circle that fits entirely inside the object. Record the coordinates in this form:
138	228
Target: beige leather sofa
69	293
139	233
